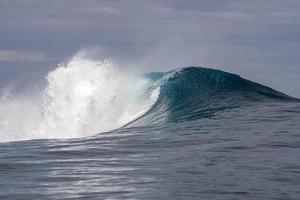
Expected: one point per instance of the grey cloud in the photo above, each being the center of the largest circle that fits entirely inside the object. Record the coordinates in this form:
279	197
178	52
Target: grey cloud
258	39
19	56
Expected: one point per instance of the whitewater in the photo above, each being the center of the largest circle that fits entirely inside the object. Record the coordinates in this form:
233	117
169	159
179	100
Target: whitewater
98	130
83	97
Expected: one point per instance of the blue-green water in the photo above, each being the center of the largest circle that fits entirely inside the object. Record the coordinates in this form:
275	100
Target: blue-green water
210	135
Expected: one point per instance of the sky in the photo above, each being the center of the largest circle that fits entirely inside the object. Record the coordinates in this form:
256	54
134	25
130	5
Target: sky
257	39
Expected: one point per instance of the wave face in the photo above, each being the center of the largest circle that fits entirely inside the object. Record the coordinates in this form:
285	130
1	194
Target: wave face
195	92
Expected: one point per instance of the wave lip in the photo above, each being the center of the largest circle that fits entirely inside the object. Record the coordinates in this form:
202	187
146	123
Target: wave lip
196	92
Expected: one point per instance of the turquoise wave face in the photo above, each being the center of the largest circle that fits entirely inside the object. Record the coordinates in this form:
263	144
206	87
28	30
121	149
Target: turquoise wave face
196	92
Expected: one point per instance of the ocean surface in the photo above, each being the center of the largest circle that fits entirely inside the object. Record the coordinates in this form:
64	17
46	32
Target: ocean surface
199	133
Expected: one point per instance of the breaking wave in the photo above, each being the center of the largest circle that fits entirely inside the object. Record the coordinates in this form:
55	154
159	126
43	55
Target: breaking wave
85	96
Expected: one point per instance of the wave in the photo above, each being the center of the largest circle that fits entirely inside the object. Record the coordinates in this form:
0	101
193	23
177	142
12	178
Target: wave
196	92
84	97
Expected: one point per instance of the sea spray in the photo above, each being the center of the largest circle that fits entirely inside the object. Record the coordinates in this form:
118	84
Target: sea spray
83	97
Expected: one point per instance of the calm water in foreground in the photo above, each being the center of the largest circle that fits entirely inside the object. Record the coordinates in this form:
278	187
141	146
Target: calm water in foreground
252	152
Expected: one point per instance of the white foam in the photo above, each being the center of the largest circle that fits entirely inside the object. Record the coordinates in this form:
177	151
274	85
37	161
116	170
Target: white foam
83	97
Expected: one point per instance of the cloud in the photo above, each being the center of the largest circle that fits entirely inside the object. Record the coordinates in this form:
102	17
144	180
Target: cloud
253	38
22	56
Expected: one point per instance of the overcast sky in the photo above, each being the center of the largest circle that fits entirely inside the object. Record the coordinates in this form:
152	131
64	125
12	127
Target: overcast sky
258	39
